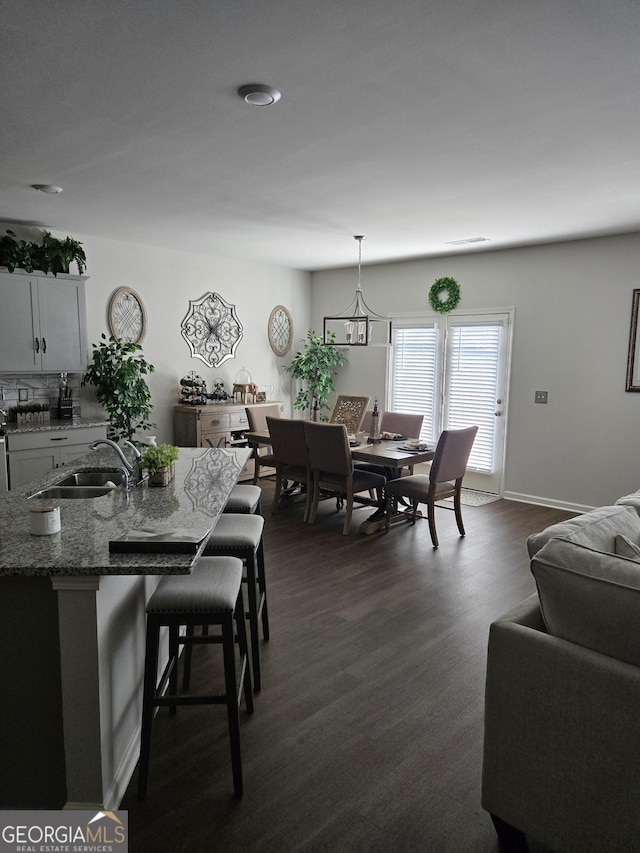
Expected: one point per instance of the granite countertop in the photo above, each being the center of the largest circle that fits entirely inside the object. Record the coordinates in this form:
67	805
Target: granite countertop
192	501
74	423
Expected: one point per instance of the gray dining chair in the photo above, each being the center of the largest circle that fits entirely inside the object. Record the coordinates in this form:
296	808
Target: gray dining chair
444	481
257	418
332	468
290	458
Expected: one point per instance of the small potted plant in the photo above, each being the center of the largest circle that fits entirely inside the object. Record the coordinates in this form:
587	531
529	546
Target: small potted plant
159	462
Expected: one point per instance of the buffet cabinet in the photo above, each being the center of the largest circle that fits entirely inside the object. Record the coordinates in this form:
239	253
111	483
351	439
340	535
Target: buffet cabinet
217	425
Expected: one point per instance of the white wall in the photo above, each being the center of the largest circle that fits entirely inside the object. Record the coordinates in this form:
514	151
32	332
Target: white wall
166	280
572	310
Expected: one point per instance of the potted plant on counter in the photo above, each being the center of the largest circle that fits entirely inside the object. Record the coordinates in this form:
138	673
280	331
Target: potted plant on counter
159	462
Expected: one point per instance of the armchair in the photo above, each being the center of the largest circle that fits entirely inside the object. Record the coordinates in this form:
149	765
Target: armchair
562	742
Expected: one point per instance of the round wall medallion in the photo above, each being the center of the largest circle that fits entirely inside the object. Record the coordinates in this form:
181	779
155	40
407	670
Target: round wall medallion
280	330
127	316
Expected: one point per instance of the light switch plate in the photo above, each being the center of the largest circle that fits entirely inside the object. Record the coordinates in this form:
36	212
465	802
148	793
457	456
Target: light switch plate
541	396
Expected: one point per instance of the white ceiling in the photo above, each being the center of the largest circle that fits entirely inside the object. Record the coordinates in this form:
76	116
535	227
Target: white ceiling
415	122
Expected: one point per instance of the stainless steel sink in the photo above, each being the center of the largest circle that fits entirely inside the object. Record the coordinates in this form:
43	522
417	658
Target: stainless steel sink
73	492
92	478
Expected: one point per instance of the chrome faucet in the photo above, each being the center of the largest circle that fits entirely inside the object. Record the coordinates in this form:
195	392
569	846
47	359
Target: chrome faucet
127	467
136	453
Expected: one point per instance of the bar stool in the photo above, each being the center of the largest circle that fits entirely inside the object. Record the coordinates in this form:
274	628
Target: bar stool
210	596
244	500
238	535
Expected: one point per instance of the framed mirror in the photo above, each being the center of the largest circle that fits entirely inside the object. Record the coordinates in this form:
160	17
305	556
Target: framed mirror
633	357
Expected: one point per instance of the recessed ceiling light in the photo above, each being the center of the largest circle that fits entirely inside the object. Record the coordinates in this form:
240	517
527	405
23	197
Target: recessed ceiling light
259	95
467	240
47	188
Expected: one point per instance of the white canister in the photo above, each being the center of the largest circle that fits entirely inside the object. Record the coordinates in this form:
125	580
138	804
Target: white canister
44	520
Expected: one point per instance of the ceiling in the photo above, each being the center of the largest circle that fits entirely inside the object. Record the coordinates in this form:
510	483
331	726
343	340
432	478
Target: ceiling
414	122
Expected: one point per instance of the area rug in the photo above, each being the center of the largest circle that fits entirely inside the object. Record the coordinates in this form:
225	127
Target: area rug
472	497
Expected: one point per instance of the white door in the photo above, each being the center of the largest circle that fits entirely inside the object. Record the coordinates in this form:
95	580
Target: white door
454	370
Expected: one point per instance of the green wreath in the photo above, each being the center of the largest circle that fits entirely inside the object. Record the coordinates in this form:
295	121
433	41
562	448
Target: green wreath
449	286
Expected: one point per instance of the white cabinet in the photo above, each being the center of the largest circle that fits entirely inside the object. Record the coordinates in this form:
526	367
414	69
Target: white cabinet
33	454
43	323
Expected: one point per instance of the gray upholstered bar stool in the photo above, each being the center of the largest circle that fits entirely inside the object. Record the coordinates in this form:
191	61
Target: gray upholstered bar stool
245	500
239	535
210	596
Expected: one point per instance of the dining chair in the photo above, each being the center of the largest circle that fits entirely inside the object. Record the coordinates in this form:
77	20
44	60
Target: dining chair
332	468
350	411
257	417
406	424
401	423
444	480
290	457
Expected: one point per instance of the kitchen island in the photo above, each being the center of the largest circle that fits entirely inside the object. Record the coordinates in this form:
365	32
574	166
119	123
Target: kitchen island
72	626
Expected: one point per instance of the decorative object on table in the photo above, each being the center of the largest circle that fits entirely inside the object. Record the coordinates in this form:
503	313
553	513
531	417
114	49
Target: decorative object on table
65	401
127	316
51	255
375	436
350	411
193	390
212	329
358	325
117	372
316	365
444	294
218	392
280	330
159	461
244	387
633	354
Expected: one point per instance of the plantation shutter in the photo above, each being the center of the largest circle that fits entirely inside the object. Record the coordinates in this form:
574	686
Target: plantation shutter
471	386
414	378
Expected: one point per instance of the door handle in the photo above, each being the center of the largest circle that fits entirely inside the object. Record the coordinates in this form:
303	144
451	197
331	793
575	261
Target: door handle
37	345
44	345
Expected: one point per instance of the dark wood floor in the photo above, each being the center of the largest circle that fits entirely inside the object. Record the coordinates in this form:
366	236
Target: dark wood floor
367	733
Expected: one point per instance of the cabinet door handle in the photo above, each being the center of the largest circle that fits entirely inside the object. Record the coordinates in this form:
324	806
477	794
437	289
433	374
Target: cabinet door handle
60	438
44	345
37	345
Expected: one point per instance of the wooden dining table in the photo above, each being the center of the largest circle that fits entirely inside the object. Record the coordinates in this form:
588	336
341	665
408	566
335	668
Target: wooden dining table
392	455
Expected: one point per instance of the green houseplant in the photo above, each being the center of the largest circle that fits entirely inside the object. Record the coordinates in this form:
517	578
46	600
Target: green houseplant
117	372
316	364
51	255
158	461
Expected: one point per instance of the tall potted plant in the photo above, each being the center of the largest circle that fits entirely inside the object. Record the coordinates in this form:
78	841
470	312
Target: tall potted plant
316	365
117	373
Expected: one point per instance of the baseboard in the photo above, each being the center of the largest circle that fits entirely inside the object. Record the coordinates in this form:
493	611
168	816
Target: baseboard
120	782
553	504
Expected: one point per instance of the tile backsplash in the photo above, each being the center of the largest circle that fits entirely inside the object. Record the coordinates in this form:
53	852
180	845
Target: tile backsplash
24	388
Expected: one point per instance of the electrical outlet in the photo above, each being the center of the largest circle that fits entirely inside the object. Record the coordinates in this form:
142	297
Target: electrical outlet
541	396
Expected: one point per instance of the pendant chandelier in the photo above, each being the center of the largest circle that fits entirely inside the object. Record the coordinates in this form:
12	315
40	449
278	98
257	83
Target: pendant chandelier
358	326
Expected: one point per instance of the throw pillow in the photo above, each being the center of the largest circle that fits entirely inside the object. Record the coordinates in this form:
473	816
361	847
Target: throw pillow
597	528
590	597
626	548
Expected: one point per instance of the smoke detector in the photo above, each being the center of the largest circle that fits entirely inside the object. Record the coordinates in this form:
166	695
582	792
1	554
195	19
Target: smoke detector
259	95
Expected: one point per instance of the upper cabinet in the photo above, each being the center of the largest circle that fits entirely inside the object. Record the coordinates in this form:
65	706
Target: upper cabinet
43	323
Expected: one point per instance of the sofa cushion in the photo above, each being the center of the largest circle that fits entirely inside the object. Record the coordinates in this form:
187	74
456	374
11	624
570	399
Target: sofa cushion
630	500
597	529
626	548
590	597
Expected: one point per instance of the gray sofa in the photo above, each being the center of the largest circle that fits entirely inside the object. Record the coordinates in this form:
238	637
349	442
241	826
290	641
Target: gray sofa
561	758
